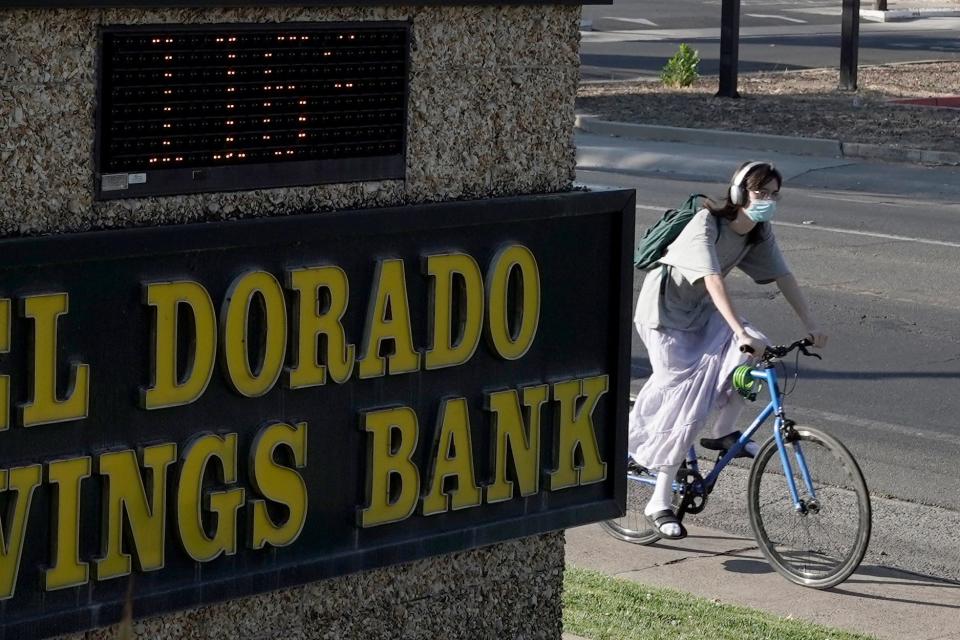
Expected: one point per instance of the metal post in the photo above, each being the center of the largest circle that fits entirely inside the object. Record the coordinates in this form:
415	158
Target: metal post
729	48
849	45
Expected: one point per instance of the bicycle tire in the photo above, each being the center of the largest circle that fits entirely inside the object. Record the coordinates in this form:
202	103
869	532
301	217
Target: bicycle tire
633	526
787	537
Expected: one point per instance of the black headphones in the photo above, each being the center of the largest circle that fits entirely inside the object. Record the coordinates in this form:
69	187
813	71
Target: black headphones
738	195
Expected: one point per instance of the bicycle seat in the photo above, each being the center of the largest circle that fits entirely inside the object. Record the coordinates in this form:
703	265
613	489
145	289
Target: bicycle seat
723	444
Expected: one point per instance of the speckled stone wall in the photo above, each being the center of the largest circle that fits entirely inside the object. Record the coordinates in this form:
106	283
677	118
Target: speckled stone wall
490	113
506	591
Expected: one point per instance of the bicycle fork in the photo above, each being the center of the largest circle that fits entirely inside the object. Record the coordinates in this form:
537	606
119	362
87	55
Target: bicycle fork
784	434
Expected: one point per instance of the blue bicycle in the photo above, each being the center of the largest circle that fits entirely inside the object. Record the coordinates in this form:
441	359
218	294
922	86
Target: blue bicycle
807	499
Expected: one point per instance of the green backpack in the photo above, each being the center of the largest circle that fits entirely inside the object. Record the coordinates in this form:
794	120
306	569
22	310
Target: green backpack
658	237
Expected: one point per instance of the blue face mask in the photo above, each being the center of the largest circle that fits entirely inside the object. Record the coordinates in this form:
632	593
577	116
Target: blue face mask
761	210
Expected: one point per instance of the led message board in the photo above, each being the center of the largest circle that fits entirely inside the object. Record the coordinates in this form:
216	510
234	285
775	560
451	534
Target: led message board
223	409
216	108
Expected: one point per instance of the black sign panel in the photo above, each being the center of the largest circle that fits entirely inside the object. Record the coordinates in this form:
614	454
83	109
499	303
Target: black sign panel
211	108
223	409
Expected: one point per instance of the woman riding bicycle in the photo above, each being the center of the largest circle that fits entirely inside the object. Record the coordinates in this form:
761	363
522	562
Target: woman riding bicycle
693	334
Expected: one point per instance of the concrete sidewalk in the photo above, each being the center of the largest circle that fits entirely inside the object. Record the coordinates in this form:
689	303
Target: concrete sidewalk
819	147
885	603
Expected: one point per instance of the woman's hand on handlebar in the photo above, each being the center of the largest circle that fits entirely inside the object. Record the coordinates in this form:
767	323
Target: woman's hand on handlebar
817	338
750	344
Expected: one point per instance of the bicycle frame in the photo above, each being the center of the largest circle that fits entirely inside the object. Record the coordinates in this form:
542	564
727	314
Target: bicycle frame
775	408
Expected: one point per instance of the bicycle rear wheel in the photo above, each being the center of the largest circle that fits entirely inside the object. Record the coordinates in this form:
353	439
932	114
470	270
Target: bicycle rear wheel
823	545
633	526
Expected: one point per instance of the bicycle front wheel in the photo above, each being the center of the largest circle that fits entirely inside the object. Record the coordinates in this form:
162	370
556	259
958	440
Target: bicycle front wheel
822	544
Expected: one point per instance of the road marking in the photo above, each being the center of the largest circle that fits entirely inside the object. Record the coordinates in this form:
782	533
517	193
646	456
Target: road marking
875	425
870	234
765	15
650	23
852	232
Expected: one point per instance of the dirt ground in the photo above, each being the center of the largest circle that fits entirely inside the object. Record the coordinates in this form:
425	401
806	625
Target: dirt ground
798	103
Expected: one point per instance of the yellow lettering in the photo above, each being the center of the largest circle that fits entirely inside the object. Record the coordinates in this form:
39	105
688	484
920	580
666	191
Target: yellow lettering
4	348
449	349
523	441
510	344
23	480
67	569
167	390
126	493
575	429
279	484
393	483
191	500
44	407
320	330
253	382
388	318
454	459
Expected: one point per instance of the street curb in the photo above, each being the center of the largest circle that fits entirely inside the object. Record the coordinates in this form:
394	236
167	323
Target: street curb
908	14
765	142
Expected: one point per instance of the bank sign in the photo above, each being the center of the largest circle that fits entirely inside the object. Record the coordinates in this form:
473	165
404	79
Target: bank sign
202	412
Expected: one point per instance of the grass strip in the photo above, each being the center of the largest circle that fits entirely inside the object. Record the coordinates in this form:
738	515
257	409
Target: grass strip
599	607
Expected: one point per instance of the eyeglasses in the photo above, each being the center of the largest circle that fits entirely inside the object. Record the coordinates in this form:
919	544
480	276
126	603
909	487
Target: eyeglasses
765	195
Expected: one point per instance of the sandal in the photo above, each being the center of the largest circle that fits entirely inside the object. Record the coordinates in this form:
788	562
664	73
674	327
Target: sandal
666	516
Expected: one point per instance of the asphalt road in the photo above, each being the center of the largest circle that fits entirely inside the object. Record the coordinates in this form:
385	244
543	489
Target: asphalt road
634	38
877	249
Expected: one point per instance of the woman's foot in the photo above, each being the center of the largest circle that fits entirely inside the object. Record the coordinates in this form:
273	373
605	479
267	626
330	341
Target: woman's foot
667	524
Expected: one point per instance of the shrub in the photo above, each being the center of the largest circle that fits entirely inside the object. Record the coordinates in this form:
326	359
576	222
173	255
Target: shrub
681	69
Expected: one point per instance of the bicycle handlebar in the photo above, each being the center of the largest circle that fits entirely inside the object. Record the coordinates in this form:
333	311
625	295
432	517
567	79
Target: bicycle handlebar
780	351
